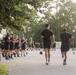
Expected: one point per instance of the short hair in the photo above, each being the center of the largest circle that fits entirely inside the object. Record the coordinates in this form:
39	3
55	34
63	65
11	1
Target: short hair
46	25
8	34
65	29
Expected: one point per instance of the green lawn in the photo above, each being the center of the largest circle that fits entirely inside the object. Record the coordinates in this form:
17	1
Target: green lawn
3	70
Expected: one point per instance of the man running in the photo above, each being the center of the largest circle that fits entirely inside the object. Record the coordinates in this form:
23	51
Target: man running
46	35
66	38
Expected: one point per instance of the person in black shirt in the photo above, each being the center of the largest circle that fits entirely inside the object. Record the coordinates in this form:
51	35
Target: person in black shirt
46	35
17	46
11	45
0	47
65	43
32	45
23	46
3	48
7	41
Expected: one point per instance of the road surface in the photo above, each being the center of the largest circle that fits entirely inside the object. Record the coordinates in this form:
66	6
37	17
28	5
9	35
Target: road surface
34	64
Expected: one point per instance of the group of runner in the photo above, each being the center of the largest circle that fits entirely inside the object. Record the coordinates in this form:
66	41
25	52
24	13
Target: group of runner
11	45
65	37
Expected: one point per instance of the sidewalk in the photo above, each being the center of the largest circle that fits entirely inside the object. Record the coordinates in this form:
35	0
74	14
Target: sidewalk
34	64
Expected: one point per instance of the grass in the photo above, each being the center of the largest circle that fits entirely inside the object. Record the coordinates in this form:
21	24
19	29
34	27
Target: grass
3	70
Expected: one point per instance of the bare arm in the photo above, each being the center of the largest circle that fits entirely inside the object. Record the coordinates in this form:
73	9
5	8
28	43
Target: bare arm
42	36
53	38
72	39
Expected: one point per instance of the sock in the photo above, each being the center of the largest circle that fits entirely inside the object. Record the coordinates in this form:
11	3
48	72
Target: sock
46	61
11	55
63	58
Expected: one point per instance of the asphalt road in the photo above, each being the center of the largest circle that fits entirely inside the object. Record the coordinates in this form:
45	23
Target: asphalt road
34	64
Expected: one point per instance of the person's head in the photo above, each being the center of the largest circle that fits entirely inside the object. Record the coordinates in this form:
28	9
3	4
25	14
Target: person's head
11	35
23	38
8	34
16	36
64	30
47	26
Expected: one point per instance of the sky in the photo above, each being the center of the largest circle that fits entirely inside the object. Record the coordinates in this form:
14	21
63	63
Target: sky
74	1
53	10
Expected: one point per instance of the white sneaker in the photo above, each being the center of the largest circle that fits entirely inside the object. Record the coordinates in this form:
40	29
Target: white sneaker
46	63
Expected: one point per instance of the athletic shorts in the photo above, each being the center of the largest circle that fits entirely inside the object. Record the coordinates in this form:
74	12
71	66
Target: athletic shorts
47	44
64	47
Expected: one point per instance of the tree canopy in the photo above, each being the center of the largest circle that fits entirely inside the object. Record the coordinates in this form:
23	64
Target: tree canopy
20	15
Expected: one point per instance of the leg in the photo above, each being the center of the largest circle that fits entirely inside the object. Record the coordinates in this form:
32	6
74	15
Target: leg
48	54
7	54
21	52
24	53
18	51
64	56
12	54
0	57
15	52
0	54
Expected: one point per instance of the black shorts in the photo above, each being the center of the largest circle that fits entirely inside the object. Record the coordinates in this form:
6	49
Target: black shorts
64	47
23	47
6	47
16	47
11	47
47	44
2	47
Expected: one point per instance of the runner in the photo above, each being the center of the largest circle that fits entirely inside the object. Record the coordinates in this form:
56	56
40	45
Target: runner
46	35
17	47
6	39
23	46
66	38
33	46
11	45
3	47
0	48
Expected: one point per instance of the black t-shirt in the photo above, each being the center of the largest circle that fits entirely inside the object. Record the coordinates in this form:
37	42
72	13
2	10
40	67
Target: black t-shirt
65	38
0	43
11	39
17	43
23	42
6	39
47	35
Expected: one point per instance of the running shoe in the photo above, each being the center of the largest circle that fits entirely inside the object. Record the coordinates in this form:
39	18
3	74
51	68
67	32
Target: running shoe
46	63
6	58
64	62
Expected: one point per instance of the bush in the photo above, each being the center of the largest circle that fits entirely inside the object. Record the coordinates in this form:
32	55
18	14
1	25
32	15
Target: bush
3	70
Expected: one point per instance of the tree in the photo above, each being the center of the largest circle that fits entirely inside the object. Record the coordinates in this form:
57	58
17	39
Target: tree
63	16
16	13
